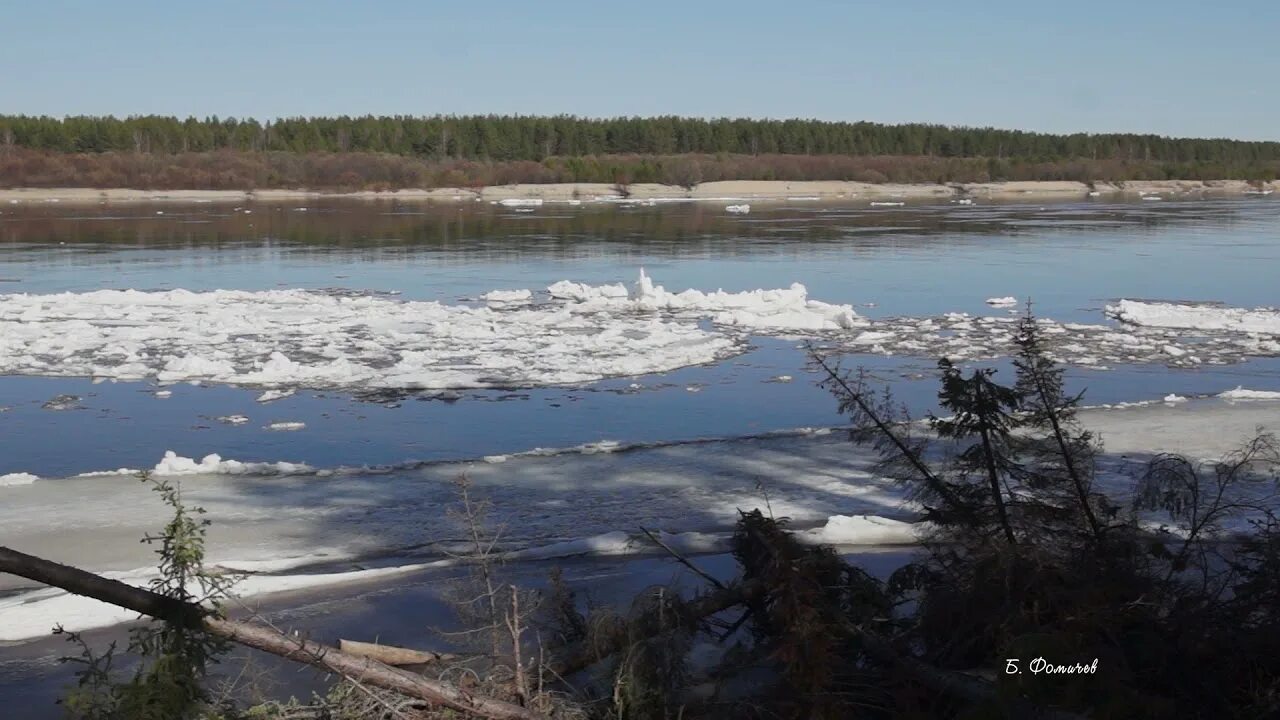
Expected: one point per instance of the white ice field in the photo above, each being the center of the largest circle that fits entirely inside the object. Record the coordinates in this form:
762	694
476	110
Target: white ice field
571	333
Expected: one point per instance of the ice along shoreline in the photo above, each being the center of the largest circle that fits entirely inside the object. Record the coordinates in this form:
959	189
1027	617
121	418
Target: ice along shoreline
829	488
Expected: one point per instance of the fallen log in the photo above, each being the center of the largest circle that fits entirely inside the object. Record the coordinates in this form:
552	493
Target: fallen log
392	655
330	659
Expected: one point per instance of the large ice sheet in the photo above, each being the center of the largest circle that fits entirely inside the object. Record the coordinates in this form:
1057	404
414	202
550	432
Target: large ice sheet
780	310
1196	316
322	340
287	338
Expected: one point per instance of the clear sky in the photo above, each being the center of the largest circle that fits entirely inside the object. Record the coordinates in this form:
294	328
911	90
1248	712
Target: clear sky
1173	67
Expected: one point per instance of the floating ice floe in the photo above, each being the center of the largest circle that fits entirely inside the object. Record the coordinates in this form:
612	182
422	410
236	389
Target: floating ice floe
760	310
520	202
59	402
861	530
286	426
738	209
299	338
174	465
1241	393
1007	301
581	292
273	395
960	336
18	478
1173	399
507	296
880	203
1196	316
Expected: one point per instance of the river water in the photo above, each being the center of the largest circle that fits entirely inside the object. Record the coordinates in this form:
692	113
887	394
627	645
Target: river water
1071	259
899	269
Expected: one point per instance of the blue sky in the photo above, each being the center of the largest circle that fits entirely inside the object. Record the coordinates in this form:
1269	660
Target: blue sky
1174	67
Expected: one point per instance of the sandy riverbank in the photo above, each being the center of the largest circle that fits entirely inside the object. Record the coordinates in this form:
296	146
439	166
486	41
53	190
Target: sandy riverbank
730	190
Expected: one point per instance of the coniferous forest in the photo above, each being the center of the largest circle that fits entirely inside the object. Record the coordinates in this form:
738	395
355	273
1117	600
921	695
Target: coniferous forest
400	152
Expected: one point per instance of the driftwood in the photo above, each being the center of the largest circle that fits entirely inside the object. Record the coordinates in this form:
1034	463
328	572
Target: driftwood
330	659
392	655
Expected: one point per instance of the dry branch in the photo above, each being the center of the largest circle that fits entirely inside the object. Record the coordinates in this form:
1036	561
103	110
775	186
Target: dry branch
683	560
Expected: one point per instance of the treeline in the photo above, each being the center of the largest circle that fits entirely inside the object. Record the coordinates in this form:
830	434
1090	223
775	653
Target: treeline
514	138
243	170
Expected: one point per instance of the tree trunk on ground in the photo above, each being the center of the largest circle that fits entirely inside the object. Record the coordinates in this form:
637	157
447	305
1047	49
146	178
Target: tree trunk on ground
263	638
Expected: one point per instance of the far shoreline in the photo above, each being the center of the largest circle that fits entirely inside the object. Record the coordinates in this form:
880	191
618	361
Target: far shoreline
763	191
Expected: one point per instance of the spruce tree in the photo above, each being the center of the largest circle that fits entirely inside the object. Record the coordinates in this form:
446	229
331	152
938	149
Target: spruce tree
1064	452
982	411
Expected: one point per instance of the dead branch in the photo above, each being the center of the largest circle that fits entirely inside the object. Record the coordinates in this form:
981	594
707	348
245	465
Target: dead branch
683	560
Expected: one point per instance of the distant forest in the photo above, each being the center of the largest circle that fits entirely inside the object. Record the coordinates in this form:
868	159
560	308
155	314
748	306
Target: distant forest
393	152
